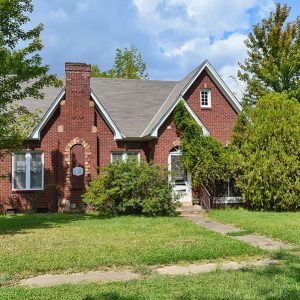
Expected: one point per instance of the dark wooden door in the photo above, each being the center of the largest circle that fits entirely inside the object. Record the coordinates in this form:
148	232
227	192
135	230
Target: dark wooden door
77	173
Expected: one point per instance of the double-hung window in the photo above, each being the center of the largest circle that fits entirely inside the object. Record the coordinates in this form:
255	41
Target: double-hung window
115	156
28	171
205	98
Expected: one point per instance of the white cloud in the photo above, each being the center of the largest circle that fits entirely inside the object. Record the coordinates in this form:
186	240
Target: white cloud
192	30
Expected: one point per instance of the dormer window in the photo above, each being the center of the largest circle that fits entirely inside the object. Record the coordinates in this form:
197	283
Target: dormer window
205	98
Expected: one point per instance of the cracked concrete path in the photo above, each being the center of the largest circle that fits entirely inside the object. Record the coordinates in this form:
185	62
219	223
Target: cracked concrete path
97	276
93	276
212	225
263	242
260	241
210	267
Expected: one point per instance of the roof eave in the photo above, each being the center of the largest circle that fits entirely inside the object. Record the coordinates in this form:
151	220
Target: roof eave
154	132
36	133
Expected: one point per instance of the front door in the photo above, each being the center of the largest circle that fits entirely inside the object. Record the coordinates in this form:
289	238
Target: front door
180	178
77	174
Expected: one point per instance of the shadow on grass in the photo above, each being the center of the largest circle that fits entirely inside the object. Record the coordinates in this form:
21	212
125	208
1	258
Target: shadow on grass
110	296
10	225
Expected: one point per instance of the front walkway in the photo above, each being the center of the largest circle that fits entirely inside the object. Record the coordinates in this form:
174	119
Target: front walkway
260	241
96	276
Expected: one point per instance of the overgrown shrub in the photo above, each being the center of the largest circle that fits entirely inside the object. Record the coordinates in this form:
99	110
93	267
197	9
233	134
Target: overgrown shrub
132	187
266	141
204	157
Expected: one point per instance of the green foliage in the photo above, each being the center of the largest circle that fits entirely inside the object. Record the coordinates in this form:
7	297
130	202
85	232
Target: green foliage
273	62
16	125
18	66
203	156
268	155
95	71
132	188
128	64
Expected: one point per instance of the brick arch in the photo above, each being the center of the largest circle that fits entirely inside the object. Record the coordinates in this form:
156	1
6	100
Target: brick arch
87	159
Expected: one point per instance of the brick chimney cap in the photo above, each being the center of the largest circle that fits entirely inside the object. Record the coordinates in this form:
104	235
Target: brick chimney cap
75	66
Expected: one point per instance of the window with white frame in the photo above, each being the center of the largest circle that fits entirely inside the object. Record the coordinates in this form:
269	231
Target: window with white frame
115	156
205	98
28	171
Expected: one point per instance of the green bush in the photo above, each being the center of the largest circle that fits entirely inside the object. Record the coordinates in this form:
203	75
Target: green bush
204	157
266	141
132	188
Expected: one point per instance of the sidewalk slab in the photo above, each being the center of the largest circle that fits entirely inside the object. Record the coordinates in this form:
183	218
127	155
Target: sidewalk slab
263	242
95	276
205	268
212	225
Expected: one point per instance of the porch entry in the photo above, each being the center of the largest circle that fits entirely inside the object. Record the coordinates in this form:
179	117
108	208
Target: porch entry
180	178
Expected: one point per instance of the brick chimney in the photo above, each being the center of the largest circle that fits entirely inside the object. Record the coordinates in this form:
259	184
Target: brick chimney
78	82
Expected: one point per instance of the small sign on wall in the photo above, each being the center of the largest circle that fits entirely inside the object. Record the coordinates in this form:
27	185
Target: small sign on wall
78	171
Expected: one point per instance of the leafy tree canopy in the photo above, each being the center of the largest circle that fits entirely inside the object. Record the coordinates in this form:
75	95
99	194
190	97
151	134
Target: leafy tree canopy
21	71
273	61
266	143
128	64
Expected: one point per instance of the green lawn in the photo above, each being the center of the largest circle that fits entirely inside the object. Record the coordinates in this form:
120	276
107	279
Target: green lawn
33	244
275	282
282	226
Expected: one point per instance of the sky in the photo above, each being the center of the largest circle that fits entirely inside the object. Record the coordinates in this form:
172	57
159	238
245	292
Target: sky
174	36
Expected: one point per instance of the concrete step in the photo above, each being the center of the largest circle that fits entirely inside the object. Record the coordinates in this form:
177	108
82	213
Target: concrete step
186	210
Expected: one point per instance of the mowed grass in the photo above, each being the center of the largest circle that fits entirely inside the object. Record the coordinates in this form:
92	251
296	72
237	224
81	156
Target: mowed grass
274	282
35	244
283	226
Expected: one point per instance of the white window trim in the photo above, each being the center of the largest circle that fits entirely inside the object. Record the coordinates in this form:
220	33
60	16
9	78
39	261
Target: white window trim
208	98
124	155
27	170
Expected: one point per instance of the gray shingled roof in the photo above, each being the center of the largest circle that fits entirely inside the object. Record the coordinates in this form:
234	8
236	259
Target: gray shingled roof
50	94
170	100
131	103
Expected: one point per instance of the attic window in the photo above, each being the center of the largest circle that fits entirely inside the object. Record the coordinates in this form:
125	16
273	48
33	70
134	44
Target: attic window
205	98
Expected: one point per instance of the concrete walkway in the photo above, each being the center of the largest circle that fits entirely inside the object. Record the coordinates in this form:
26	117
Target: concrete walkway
260	241
205	268
94	276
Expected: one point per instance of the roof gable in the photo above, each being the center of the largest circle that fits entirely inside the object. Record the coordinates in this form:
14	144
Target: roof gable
181	89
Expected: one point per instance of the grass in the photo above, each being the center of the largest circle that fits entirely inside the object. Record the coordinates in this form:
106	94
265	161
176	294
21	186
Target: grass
36	244
274	282
282	226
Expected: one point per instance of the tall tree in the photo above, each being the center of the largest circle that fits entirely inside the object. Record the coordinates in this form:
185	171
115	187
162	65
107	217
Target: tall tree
128	64
266	149
273	61
22	73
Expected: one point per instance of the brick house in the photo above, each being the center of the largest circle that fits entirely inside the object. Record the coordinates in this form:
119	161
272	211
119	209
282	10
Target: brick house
91	122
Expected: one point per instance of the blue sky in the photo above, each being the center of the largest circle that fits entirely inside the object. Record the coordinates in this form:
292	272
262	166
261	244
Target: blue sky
174	36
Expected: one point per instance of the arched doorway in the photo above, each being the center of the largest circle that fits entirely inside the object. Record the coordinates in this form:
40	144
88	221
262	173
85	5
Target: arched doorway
180	178
77	157
77	167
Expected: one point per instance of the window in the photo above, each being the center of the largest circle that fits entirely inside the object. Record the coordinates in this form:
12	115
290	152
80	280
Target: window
205	98
115	156
28	171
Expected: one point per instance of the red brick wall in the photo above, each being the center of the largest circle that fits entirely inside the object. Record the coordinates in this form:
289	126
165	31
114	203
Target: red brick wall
220	118
168	138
